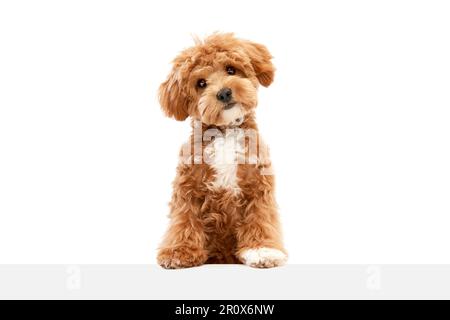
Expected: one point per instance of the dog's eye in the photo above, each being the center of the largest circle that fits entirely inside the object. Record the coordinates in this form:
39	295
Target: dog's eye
231	70
201	83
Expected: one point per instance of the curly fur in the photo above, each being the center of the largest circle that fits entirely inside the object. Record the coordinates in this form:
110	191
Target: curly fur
220	213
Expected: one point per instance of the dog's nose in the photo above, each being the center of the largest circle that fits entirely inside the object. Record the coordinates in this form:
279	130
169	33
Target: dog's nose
224	95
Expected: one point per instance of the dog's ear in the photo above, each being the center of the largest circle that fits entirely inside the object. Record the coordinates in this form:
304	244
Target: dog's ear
173	101
261	62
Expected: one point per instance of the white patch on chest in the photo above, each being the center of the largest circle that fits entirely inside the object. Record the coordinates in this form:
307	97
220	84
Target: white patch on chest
224	154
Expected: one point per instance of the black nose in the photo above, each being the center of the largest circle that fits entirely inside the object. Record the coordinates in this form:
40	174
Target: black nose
224	95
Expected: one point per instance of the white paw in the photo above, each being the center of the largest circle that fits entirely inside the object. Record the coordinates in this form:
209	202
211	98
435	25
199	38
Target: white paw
263	257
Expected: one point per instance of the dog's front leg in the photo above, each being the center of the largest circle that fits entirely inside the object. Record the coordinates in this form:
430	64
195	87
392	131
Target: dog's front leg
259	235
184	242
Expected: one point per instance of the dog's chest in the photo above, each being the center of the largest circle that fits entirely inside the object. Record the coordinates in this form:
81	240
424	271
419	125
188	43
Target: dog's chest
224	154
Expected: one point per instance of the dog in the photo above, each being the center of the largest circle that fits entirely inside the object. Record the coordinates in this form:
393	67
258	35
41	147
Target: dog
223	208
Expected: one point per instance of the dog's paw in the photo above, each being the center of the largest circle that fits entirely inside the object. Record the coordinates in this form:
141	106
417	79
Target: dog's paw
181	257
263	257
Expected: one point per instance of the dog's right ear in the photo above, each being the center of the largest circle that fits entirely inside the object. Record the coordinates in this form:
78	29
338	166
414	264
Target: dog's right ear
173	101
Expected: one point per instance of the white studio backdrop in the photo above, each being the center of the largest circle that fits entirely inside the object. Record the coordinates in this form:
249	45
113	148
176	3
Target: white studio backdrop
357	121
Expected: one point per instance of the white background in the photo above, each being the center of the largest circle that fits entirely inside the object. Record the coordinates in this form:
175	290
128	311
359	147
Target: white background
357	120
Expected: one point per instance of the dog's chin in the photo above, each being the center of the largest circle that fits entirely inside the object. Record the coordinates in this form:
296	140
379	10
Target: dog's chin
231	116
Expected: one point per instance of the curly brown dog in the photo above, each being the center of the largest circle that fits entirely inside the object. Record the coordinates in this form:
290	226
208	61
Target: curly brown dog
223	208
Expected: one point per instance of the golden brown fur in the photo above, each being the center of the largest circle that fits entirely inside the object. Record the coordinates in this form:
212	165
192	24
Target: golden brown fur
210	224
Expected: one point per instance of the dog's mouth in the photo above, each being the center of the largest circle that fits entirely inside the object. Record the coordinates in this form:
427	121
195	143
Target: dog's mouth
230	105
231	114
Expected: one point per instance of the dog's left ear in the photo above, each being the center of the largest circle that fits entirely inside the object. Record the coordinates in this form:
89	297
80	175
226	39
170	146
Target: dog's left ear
261	62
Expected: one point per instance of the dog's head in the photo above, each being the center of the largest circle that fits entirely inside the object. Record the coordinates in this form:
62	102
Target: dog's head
216	80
